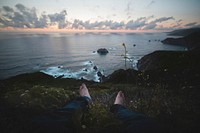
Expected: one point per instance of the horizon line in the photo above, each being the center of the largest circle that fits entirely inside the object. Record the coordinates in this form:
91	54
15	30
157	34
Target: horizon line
74	30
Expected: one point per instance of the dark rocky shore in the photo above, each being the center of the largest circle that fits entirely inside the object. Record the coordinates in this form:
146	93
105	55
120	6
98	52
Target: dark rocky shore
166	87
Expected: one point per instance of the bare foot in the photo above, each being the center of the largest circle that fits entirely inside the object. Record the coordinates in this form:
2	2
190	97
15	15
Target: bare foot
83	91
119	98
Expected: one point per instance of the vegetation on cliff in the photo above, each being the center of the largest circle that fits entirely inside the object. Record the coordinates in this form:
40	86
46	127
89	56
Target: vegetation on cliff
25	96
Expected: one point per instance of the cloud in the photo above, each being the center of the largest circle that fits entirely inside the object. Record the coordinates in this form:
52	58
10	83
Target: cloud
99	25
59	18
42	21
165	28
133	25
160	20
150	26
128	9
145	23
140	23
153	24
191	24
180	20
21	17
24	17
151	3
7	9
21	7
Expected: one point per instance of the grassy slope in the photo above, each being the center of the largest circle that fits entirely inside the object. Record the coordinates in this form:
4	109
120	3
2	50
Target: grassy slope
25	96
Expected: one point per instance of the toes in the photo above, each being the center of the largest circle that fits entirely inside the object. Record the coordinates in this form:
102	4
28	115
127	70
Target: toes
83	85
120	93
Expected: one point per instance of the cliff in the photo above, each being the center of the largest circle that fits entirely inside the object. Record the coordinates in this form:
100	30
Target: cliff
191	41
183	32
169	60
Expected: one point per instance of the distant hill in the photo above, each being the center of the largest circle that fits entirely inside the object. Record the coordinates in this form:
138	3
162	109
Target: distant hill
183	32
191	41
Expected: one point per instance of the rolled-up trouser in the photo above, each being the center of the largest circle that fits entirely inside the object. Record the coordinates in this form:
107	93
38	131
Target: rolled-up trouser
134	122
64	120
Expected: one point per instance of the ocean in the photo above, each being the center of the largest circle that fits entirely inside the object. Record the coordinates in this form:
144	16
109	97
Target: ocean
74	55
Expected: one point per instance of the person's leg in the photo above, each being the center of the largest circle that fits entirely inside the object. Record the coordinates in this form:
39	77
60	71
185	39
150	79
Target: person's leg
132	121
121	112
81	102
66	119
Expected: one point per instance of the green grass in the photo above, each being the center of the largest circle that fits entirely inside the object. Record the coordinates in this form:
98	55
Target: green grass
21	99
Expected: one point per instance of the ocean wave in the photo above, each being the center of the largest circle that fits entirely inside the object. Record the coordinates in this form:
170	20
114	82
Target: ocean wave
88	72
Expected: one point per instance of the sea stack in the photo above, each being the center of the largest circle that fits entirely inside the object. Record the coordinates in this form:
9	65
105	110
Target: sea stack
102	51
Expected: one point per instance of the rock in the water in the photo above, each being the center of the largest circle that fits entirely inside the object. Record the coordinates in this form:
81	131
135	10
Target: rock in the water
99	74
85	70
102	51
95	68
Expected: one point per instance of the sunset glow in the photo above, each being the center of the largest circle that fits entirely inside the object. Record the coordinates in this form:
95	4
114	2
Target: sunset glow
98	16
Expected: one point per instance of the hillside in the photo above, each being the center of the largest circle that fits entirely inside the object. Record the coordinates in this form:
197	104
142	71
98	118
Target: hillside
191	41
183	32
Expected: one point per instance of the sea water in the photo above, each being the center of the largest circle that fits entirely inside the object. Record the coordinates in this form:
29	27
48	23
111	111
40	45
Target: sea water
73	55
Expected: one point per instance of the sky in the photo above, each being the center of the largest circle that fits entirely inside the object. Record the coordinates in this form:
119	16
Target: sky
105	15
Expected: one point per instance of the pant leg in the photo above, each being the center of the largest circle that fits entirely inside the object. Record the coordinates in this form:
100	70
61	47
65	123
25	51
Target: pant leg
134	121
66	119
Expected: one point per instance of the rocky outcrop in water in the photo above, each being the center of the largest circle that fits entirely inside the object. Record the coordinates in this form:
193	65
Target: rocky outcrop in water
102	51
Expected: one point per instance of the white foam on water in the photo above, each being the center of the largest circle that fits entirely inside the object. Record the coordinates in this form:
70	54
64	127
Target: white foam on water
113	48
87	63
87	72
55	71
94	52
135	64
96	78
